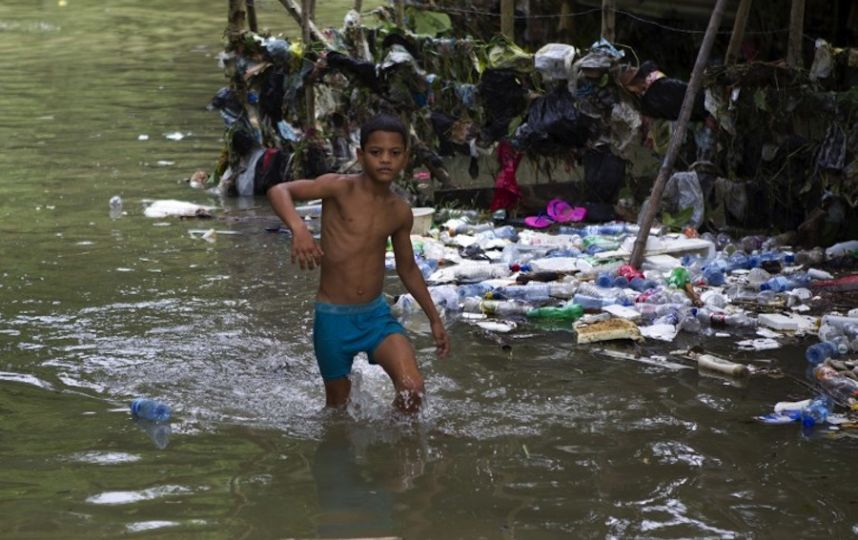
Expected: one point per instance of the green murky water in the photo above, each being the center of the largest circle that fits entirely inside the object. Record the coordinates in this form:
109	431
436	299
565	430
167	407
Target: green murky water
547	441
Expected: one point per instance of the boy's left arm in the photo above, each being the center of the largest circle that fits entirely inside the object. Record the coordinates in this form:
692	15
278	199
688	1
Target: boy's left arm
413	280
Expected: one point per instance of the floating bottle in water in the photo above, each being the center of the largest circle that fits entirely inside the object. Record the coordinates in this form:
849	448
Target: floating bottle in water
115	205
150	409
816	412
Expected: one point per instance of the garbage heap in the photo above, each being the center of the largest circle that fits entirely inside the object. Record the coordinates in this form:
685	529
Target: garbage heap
776	140
751	291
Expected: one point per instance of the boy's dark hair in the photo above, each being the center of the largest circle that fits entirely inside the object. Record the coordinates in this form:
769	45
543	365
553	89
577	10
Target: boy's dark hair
383	122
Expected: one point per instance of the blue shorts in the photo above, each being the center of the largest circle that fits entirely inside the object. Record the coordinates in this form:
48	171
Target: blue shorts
340	331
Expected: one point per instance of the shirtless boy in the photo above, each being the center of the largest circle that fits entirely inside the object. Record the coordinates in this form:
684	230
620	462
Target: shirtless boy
359	214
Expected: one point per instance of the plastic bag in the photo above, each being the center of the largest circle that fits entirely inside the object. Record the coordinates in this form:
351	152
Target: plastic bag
554	61
553	124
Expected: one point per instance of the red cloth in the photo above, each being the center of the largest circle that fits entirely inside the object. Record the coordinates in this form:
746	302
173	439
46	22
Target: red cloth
507	193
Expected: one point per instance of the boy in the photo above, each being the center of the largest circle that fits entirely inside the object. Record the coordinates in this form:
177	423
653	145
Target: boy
359	213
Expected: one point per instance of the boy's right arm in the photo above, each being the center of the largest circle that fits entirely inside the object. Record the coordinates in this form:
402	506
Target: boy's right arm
283	196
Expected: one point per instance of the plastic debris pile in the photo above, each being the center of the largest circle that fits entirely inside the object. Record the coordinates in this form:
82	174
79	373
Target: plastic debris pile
508	281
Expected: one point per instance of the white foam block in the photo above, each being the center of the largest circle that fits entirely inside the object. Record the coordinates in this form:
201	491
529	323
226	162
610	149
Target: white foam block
776	321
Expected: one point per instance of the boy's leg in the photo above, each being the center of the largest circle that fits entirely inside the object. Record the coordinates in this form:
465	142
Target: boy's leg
396	356
337	392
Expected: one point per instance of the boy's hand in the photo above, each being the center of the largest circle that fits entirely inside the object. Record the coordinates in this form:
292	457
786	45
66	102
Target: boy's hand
305	249
442	340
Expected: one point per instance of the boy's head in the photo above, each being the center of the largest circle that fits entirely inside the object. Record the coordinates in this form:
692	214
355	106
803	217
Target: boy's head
383	122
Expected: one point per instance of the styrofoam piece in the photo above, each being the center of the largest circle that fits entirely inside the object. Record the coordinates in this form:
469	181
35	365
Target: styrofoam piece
560	264
660	263
608	330
665	246
623	312
776	321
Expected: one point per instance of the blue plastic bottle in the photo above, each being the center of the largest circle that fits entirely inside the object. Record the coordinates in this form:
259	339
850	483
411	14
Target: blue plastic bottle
778	284
818	352
714	276
150	409
641	284
816	412
605	280
620	282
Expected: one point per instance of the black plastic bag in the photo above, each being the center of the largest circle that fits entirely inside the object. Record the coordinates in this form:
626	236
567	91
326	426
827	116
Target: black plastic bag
503	97
553	125
663	99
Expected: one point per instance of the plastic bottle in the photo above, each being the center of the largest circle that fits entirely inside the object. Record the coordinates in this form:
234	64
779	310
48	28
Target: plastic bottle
816	412
813	256
562	289
620	282
477	290
115	205
843	248
714	277
445	297
532	292
592	302
837	384
672	318
818	352
758	276
708	317
678	277
507	232
496	307
427	267
605	280
150	409
641	284
570	311
403	305
784	283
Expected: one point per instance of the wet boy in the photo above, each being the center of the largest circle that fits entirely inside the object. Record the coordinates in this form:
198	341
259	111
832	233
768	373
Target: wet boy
359	214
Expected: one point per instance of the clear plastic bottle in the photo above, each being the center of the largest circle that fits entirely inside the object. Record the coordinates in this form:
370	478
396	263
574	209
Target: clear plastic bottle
562	289
714	277
507	232
477	290
115	205
427	267
708	317
496	307
150	409
837	384
445	297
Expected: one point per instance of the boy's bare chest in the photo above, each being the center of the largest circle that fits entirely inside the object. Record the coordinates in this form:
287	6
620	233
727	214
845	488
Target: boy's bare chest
365	222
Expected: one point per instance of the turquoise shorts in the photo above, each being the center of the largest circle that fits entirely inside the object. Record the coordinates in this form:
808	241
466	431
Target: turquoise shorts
341	331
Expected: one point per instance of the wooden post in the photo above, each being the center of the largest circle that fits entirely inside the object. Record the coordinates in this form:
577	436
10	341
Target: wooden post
678	135
251	15
237	18
307	37
609	8
507	21
796	28
358	5
296	12
399	13
738	34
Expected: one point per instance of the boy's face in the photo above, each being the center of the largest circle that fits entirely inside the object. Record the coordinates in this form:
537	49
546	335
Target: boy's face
383	156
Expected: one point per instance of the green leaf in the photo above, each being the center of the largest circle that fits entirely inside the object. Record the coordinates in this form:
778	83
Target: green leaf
429	23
